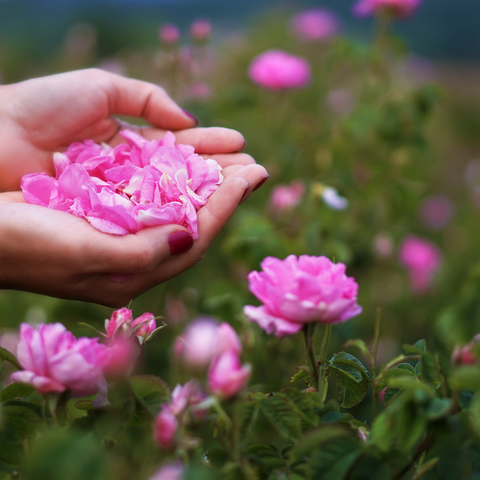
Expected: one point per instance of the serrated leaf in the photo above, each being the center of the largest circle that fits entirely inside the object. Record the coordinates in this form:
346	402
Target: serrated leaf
416	348
395	373
405	366
427	366
346	370
283	414
312	440
307	402
84	404
344	358
152	389
302	374
250	411
333	460
350	393
9	357
16	390
330	417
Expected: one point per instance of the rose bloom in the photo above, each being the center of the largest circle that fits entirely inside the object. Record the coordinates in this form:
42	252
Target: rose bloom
278	70
169	33
296	291
437	211
226	375
200	30
285	197
121	357
463	355
422	259
314	24
188	395
204	339
397	8
173	471
54	361
122	324
166	426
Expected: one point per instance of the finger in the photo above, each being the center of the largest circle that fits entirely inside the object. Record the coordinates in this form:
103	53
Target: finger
205	140
228	159
140	99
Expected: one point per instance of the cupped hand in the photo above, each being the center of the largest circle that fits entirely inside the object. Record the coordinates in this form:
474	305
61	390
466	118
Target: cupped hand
44	115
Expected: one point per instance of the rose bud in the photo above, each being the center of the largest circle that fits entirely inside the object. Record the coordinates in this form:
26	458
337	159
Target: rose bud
226	376
166	426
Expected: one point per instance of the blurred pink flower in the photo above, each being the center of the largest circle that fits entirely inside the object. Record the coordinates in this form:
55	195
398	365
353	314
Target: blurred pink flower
54	361
166	425
296	291
204	339
188	395
135	185
121	356
463	355
315	24
341	101
382	245
169	33
422	259
437	211
278	70
175	309
285	197
122	324
199	91
200	30
398	8
172	471
226	375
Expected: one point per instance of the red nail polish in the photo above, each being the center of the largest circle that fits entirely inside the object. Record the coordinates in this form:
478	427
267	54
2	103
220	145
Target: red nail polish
244	196
189	115
179	242
261	182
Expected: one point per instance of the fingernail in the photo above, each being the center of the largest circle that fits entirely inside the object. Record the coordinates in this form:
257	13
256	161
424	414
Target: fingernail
261	182
180	242
244	196
189	115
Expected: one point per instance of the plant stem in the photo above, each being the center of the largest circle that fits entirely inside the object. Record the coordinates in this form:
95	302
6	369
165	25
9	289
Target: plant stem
308	330
323	357
376	338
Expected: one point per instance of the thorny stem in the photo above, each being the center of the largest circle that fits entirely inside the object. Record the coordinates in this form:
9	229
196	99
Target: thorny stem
323	357
308	336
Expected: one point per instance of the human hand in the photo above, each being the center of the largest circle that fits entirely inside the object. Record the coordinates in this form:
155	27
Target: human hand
44	115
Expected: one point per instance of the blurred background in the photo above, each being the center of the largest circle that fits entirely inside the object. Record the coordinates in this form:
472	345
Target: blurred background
390	122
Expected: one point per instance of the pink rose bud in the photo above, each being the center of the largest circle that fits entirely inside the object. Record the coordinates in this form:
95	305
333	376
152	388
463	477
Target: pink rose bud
166	426
169	34
297	291
285	197
464	355
278	70
226	376
121	357
191	394
381	396
315	24
54	361
397	8
146	324
120	323
200	30
173	471
437	211
422	260
204	339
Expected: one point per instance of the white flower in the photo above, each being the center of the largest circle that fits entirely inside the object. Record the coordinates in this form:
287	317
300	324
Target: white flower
333	199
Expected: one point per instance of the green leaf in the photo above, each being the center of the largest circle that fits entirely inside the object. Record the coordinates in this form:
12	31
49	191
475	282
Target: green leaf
344	358
416	348
371	468
350	393
348	371
283	414
307	402
310	441
399	371
152	389
302	374
465	378
9	357
5	476
438	408
84	404
16	390
362	348
251	407
427	366
333	460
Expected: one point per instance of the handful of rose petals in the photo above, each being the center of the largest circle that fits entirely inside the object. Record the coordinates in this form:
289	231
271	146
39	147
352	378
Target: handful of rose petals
135	185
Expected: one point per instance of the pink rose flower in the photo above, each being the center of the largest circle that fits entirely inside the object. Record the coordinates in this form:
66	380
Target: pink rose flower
54	361
437	211
188	395
133	186
166	425
203	340
278	70
397	8
122	324
121	356
226	375
296	291
200	30
422	259
169	34
463	355
285	197
314	24
173	471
